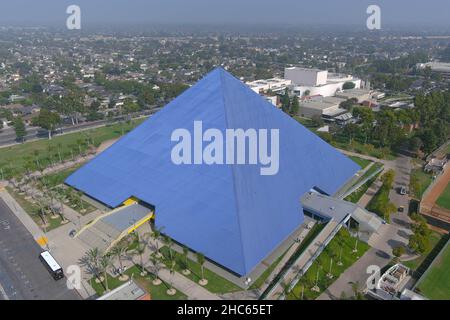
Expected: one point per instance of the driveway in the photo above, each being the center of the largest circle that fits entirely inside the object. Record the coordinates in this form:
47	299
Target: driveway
403	167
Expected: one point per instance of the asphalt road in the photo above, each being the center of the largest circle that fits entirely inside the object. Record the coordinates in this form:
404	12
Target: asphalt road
403	167
8	135
22	275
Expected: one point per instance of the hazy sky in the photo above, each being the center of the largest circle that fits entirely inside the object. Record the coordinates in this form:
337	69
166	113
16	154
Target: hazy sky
317	12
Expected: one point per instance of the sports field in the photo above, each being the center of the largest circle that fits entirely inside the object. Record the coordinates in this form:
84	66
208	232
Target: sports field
444	199
436	283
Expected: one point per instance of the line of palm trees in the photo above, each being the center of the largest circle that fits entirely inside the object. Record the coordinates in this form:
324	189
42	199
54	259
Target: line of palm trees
97	263
53	155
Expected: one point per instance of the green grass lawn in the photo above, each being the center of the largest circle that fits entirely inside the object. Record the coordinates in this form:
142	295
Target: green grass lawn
312	234
436	283
419	182
308	123
444	199
360	161
341	240
342	142
156	292
13	159
216	284
416	263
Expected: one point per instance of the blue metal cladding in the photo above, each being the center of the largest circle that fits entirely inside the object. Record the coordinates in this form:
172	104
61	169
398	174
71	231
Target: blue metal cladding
231	213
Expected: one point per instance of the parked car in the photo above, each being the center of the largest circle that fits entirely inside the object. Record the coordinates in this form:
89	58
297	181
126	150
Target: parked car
402	190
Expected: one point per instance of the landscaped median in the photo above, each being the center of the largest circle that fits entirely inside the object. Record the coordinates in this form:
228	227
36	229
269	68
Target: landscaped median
32	209
158	292
337	256
216	283
380	203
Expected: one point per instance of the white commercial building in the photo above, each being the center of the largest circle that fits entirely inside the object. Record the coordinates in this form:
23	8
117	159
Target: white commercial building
275	85
306	77
317	82
436	66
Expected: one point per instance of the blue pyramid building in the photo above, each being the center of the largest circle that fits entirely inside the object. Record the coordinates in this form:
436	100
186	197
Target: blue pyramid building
230	212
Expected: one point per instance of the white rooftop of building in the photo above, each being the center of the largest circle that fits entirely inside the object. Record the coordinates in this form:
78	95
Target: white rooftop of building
436	66
128	291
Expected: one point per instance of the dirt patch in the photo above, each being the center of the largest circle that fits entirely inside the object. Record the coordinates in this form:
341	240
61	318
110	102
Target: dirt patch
105	145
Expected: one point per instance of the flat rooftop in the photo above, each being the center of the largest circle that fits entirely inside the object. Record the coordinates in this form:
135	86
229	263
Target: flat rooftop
127	216
326	206
332	208
321	103
128	291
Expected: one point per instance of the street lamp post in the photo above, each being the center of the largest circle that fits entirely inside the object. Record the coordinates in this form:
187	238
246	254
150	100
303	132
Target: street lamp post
330	275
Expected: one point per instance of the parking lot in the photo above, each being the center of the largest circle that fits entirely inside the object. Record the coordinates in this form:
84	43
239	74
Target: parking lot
22	275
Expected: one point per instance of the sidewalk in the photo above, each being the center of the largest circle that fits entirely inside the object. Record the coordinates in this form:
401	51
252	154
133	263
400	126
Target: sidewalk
370	193
24	218
304	260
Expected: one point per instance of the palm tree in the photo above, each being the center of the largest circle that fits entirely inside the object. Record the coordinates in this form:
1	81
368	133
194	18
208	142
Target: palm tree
91	260
80	201
201	262
355	250
36	158
79	143
172	265
357	294
59	146
156	236
156	267
140	249
285	290
186	270
120	252
42	212
104	263
60	199
169	243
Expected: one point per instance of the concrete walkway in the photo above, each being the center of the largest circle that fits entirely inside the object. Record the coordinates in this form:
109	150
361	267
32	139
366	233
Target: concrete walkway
304	261
20	213
370	193
190	288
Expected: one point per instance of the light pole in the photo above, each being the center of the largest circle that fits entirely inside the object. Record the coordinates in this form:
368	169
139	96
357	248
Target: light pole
316	287
340	258
330	275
